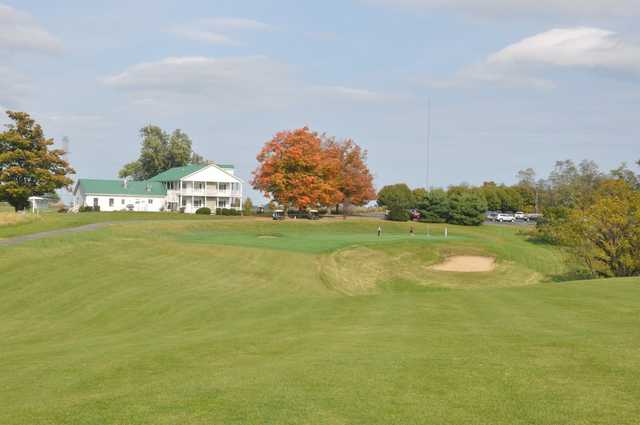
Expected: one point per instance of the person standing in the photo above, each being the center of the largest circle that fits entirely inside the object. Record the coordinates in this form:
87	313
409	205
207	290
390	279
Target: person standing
379	231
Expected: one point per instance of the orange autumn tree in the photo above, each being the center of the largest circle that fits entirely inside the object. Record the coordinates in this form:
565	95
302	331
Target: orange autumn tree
352	178
293	170
302	169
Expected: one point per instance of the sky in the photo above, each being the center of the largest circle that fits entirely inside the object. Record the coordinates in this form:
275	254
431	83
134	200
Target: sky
512	84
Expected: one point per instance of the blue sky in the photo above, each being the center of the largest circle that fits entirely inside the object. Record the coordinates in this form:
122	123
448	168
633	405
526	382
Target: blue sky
512	84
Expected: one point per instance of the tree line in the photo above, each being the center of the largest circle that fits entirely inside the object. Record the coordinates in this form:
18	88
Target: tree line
594	215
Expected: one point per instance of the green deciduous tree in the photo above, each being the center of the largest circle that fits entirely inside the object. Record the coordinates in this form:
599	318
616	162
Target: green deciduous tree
28	167
605	236
160	152
628	176
396	196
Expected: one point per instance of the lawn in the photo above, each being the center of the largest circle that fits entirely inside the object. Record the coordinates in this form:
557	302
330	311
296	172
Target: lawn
242	321
51	220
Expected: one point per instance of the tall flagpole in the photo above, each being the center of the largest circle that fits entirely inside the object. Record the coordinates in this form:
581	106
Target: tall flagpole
428	141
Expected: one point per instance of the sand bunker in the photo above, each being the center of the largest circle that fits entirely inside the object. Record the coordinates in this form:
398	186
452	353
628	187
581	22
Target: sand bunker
466	264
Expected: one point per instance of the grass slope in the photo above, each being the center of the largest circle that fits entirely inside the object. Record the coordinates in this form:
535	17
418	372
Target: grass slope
19	225
247	322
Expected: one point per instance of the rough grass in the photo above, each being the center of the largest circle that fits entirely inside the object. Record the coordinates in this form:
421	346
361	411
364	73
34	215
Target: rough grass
12	219
211	322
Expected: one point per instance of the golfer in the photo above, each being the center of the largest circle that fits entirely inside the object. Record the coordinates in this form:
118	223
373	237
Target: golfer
379	231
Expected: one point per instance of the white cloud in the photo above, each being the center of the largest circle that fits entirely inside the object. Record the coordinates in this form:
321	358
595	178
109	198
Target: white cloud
255	81
596	8
217	30
572	47
201	75
205	36
525	62
19	31
350	93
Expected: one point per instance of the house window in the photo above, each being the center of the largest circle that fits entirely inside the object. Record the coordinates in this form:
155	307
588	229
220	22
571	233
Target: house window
197	203
222	203
95	202
198	185
111	202
150	201
184	202
122	202
171	185
223	187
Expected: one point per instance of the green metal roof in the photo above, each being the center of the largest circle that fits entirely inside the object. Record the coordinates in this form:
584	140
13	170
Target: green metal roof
175	174
116	187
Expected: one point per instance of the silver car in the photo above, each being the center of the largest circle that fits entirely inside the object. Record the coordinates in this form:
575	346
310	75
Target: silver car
505	218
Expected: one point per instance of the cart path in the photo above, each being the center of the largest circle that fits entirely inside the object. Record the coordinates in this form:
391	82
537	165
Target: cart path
50	233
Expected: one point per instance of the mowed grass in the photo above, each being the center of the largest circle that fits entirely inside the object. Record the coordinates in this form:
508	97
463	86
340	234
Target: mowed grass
255	322
25	224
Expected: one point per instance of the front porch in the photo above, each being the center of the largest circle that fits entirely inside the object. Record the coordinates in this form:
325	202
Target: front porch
192	203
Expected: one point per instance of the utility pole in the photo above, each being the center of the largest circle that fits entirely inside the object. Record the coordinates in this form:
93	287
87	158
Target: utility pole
428	142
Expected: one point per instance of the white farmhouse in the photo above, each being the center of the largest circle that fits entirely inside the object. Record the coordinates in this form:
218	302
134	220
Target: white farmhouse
183	188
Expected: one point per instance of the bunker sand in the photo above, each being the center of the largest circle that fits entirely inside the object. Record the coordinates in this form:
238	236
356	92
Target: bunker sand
466	264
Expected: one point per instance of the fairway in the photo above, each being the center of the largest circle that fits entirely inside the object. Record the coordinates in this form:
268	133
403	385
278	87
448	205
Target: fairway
250	321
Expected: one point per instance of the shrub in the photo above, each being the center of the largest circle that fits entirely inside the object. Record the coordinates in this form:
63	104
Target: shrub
62	210
203	211
398	214
247	207
467	208
87	208
434	206
227	211
398	195
550	228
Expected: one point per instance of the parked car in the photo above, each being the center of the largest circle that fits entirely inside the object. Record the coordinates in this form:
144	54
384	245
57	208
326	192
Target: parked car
505	218
278	215
520	216
491	215
313	215
533	217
